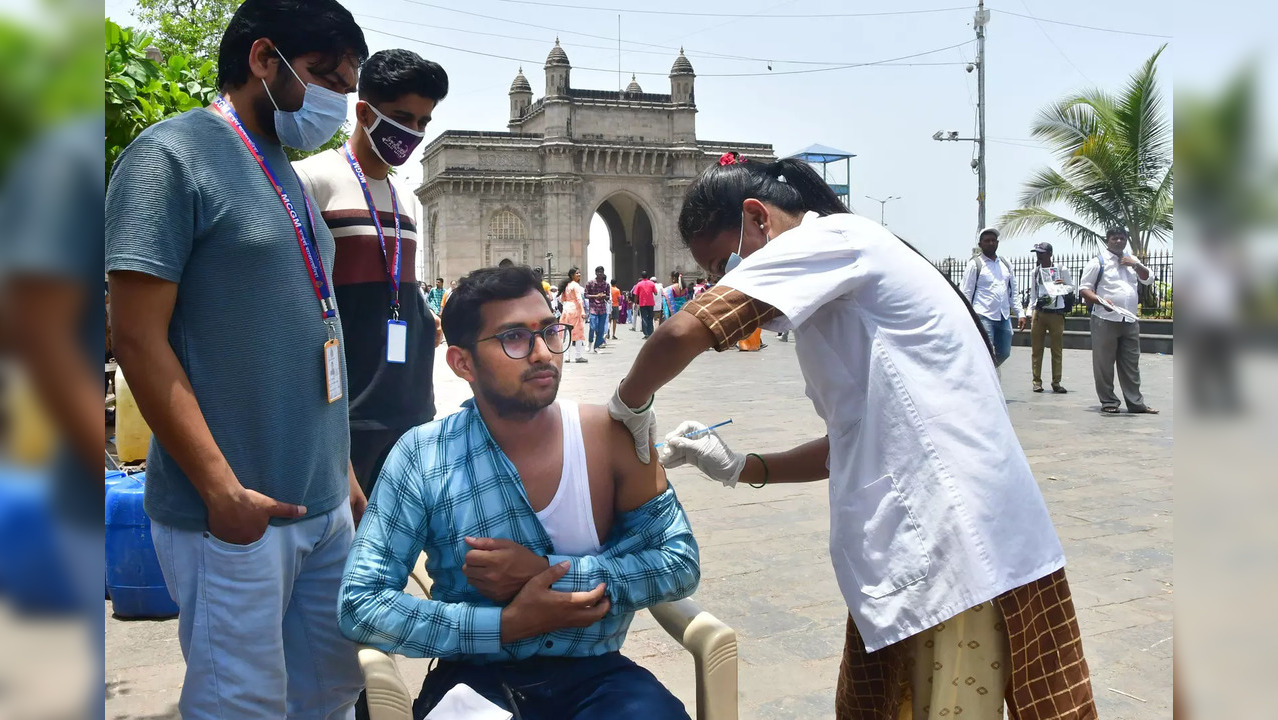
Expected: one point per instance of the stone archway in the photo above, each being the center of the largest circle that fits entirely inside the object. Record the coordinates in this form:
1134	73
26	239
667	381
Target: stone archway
630	237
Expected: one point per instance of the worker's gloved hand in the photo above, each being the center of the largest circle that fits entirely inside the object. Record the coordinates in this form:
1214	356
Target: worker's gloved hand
706	451
642	424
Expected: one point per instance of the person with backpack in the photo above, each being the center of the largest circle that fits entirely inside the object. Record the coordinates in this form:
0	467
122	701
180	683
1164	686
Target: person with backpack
1109	286
989	285
1052	291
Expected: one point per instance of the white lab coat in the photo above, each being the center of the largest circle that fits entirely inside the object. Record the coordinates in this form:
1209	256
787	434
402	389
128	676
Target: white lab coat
933	507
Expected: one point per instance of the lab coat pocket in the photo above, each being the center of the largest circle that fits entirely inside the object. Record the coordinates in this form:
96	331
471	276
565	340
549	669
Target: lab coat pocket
881	540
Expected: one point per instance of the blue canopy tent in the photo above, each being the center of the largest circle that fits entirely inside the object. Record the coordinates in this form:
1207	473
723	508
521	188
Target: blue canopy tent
824	155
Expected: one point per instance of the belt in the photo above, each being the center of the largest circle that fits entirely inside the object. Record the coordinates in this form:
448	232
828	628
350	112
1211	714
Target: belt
1053	311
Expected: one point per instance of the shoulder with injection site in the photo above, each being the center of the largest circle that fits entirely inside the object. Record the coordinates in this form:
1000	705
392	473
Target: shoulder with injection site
635	483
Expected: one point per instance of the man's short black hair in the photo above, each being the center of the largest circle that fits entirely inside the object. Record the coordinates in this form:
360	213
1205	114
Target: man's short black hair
461	317
439	279
599	269
645	275
1116	230
296	27
390	74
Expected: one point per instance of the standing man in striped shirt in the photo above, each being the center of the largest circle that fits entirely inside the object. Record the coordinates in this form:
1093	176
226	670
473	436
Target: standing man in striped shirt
390	331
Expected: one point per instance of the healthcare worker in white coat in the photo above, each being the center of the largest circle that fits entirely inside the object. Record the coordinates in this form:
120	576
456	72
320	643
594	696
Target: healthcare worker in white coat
940	539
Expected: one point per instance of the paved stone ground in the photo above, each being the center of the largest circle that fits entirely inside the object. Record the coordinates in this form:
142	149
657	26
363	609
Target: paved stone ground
765	561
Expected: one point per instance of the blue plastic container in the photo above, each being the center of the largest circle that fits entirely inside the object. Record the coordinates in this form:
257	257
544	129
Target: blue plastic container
134	580
113	478
33	574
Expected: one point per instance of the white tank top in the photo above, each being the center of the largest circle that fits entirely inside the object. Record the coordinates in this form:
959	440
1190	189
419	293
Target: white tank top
569	519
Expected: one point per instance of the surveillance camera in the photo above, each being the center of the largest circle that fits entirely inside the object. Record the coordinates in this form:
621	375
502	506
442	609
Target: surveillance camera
974	163
970	67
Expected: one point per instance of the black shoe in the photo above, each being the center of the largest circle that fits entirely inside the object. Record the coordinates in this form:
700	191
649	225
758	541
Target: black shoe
1038	387
1058	389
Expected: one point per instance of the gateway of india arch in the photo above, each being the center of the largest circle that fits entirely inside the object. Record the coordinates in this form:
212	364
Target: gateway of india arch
528	195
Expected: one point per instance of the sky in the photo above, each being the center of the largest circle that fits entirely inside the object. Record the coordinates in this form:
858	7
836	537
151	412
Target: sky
885	114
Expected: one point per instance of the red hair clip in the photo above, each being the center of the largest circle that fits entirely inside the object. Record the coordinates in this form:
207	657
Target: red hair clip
730	158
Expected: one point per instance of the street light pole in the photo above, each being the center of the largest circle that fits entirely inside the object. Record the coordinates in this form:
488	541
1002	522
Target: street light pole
980	21
883	204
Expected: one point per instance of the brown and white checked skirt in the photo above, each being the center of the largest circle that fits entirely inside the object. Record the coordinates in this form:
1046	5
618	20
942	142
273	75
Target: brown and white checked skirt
1049	678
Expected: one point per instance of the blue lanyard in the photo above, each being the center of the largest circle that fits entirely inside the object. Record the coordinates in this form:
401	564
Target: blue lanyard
310	252
391	260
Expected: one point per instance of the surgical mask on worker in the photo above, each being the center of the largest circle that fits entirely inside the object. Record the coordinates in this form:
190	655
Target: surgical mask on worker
735	258
316	122
392	142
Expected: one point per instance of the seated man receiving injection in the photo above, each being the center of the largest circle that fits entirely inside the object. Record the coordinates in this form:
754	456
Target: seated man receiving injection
543	531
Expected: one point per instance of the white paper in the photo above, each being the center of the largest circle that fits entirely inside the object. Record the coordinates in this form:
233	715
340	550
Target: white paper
396	341
463	703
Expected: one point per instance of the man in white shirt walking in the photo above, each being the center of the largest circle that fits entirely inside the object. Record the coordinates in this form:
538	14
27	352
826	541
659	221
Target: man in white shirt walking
1110	282
990	286
1051	287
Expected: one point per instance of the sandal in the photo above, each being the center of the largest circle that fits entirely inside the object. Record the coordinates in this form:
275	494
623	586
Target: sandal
1145	411
1109	411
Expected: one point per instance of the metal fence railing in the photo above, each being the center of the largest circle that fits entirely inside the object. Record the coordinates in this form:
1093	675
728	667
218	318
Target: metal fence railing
1156	302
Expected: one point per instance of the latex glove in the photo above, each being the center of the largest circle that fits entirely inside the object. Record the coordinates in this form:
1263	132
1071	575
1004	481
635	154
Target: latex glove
707	451
641	424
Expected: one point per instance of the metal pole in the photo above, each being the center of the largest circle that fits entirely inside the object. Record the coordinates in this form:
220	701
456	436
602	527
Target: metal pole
882	205
981	19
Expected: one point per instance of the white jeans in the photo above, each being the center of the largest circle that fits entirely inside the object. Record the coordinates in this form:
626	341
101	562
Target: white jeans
258	622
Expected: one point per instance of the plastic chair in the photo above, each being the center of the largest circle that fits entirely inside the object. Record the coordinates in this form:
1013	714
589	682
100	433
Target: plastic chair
713	646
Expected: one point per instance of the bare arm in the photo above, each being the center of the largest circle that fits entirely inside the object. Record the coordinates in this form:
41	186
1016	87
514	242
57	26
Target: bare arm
42	317
141	308
804	463
671	348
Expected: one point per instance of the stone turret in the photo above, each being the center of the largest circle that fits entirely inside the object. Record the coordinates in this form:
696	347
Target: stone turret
521	96
681	81
557	71
633	88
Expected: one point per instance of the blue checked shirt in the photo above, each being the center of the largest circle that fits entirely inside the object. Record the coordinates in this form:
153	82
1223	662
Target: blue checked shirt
448	480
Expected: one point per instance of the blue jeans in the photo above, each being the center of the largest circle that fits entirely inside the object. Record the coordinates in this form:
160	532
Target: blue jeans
1000	334
258	622
598	329
605	687
645	315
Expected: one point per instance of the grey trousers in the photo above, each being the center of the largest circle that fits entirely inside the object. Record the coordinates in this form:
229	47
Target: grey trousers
1117	343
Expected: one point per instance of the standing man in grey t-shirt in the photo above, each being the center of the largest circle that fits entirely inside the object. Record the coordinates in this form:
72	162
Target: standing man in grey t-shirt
225	324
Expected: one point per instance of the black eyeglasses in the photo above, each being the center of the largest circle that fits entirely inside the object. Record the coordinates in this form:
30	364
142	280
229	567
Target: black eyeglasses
518	343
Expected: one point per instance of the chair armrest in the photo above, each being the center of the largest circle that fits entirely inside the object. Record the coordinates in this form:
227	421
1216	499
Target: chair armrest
419	575
713	646
388	696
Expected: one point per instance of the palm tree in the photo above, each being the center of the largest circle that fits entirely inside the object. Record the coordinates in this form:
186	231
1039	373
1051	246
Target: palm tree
1116	157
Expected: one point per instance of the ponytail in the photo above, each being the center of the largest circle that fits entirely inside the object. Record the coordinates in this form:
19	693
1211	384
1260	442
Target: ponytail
713	202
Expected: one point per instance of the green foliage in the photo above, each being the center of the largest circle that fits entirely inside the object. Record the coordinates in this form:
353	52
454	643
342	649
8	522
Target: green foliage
141	92
187	27
1116	155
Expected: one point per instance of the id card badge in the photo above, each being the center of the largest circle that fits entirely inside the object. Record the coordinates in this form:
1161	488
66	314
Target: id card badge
333	370
396	341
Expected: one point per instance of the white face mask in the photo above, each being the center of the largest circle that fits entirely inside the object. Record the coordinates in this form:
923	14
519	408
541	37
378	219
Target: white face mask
735	258
316	122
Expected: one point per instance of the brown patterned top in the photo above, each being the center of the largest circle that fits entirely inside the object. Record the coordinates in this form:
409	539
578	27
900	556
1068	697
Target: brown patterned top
730	315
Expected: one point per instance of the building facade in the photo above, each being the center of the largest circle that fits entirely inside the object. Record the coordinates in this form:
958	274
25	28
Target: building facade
528	195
